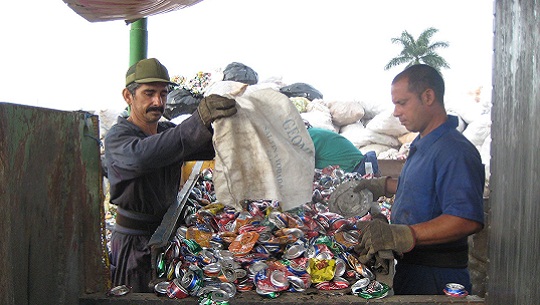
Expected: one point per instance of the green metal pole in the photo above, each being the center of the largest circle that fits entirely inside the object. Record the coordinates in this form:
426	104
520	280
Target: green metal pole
138	41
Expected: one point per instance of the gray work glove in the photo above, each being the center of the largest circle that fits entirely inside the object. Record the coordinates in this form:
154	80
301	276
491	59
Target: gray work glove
377	186
214	107
378	236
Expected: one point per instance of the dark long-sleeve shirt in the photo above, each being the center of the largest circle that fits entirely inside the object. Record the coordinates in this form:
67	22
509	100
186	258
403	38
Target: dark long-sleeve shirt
144	170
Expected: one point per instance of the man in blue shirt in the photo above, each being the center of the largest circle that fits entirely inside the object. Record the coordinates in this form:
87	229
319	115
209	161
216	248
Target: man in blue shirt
439	193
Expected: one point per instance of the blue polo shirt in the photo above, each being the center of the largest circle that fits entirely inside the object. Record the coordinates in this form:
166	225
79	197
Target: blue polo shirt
443	174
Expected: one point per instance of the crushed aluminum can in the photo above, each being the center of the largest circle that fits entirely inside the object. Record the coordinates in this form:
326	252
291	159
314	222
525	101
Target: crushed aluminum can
216	245
359	285
261	249
339	224
219	296
176	291
223	254
295	232
340	283
119	291
243	243
321	270
160	265
206	257
265	237
348	239
206	290
191	281
227	275
333	285
240	273
277	220
171	269
228	288
212	269
298	266
181	232
244	286
229	263
455	290
263	283
294	251
360	268
257	266
267	294
271	248
299	283
374	290
341	266
278	278
178	271
161	288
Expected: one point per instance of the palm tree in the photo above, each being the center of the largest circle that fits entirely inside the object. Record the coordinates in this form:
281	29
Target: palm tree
419	51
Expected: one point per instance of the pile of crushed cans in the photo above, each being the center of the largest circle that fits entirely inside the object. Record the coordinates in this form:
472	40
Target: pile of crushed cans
220	252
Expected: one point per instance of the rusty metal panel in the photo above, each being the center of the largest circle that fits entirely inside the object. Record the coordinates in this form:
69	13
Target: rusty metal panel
51	215
515	212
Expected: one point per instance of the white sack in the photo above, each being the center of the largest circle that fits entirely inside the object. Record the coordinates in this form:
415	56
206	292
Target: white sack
345	113
365	137
390	154
371	109
471	105
107	118
478	130
319	119
377	148
318	105
353	132
461	123
408	137
386	123
262	152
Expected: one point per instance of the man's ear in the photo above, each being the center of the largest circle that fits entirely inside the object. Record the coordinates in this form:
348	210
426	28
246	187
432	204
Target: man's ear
127	96
428	97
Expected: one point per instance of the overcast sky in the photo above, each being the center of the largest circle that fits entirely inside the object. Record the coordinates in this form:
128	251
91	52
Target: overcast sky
51	57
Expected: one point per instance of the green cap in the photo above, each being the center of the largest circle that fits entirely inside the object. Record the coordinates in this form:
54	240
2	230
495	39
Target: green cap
147	71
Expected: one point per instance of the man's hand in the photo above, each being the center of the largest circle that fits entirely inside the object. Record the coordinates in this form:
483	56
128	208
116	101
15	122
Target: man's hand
377	186
378	236
214	107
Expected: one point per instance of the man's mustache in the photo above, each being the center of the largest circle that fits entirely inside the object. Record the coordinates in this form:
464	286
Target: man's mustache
160	109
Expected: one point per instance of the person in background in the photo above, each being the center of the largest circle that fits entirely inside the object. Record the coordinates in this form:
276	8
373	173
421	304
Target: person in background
438	196
331	148
143	158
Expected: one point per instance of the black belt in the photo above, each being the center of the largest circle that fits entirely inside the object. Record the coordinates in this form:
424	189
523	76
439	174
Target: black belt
444	257
137	221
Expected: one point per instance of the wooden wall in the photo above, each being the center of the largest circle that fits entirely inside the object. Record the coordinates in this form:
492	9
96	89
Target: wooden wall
514	242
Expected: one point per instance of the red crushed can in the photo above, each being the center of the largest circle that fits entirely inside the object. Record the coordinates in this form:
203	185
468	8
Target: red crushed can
176	291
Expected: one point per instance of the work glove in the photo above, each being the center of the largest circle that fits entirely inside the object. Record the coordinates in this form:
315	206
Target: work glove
378	236
377	186
214	107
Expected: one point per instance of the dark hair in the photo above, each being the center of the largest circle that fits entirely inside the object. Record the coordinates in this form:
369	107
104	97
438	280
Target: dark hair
422	77
133	87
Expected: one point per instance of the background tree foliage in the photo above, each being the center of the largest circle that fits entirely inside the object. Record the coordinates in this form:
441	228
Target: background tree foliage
419	51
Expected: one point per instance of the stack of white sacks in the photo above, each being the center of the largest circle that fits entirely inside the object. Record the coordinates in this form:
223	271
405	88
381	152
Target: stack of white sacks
372	127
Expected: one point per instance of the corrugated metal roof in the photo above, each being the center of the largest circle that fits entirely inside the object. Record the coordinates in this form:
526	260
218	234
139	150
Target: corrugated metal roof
129	10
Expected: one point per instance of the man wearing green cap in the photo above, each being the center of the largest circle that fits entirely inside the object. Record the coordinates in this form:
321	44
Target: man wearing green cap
143	158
